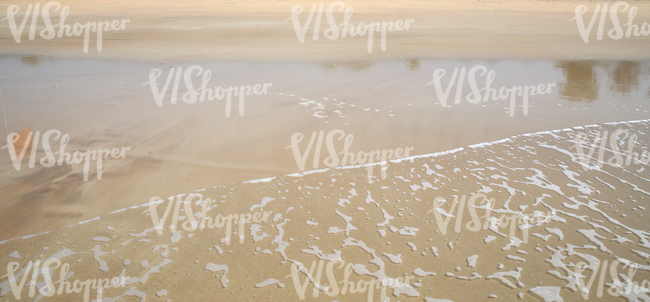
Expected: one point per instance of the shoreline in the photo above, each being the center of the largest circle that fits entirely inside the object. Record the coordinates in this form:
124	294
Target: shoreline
301	174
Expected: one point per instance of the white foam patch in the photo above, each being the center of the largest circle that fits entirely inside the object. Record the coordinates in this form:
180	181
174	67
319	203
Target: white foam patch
268	282
421	273
217	268
255	229
394	258
501	276
269	179
471	261
265	200
176	236
489	238
548	293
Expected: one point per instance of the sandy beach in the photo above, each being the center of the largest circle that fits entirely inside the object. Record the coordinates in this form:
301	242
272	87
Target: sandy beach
259	31
348	166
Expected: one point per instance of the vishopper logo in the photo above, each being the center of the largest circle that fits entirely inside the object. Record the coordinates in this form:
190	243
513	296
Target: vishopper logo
617	288
191	96
347	286
617	32
600	142
23	143
493	223
489	93
47	287
349	158
334	33
49	32
191	224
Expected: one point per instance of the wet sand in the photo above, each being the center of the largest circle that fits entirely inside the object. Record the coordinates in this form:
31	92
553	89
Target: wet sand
387	100
384	227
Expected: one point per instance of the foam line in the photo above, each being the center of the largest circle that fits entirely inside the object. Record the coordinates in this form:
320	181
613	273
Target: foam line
435	154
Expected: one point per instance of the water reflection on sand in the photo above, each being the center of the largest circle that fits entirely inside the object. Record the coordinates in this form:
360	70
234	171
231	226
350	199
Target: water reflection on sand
384	104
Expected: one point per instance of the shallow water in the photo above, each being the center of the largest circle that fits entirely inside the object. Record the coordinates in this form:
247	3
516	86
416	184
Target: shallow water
384	105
